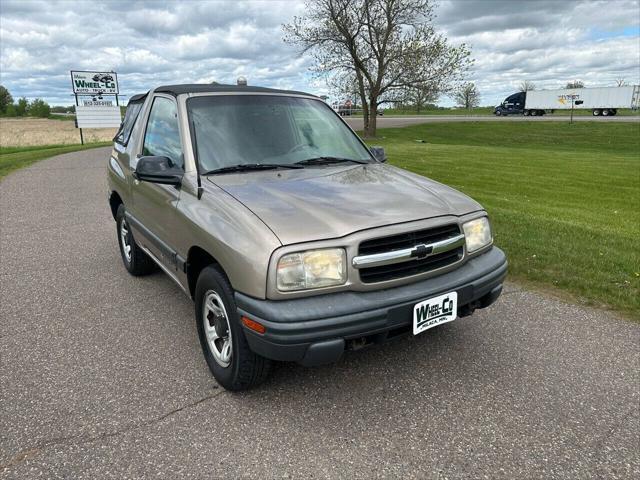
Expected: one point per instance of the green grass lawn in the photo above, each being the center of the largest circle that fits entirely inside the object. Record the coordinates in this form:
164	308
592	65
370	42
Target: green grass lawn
439	111
13	158
564	199
488	111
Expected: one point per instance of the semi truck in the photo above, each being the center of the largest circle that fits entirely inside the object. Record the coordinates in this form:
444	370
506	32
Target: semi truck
603	101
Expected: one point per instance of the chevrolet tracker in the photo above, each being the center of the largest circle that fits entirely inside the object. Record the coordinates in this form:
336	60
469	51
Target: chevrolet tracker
293	237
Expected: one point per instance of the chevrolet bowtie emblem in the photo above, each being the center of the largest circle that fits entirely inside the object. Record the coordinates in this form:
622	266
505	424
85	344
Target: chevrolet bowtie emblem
421	251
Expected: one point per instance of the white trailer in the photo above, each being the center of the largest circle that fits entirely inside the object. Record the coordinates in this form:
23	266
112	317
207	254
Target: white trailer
601	101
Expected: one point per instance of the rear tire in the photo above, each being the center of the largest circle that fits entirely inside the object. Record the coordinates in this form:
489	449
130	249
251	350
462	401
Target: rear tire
596	112
605	113
534	113
219	329
527	113
135	260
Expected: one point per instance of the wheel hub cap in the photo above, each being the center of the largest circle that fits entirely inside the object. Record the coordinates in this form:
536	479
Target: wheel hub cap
216	328
124	239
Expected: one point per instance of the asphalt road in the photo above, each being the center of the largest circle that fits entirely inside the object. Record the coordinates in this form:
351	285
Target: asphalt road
102	376
403	121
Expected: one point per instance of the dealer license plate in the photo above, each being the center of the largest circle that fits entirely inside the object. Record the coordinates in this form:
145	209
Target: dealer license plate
435	311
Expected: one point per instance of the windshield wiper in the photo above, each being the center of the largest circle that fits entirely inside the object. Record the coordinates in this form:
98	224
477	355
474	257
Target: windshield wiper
250	166
328	160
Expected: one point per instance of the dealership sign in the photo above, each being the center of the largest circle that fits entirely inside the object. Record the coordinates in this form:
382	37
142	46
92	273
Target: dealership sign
98	116
94	83
97	104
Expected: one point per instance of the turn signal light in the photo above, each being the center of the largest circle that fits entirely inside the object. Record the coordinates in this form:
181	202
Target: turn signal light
253	325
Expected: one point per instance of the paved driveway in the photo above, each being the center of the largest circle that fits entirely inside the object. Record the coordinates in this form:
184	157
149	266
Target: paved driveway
102	376
403	121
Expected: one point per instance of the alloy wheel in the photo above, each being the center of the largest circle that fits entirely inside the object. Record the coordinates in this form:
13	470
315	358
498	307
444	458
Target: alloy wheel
216	328
125	240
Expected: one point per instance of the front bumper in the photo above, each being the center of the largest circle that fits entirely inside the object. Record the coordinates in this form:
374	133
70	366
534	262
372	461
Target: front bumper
314	330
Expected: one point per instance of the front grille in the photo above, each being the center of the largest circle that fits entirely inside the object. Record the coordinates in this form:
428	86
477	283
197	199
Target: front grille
408	240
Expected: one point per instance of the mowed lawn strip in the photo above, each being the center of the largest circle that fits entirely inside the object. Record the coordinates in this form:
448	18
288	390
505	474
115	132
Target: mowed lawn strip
13	158
564	200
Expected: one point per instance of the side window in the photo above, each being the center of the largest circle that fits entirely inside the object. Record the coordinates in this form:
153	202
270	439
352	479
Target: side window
162	137
130	117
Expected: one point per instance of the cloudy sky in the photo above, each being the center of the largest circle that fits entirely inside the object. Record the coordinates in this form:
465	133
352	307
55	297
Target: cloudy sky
150	43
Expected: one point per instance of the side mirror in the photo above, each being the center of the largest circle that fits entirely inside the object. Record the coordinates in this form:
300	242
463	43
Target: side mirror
378	154
158	170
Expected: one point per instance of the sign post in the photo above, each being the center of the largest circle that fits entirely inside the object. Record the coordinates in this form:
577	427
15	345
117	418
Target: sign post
93	110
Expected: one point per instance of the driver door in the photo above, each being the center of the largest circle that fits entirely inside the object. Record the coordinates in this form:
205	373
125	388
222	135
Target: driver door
154	205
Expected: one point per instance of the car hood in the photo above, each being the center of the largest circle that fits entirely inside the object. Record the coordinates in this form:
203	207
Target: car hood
329	202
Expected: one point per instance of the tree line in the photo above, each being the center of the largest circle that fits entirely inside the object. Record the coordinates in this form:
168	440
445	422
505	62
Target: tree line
23	107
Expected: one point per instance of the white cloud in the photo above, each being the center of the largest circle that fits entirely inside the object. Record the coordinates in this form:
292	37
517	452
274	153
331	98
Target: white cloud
151	43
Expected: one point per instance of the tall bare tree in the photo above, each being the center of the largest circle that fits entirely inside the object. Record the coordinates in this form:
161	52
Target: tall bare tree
575	84
467	96
527	86
386	46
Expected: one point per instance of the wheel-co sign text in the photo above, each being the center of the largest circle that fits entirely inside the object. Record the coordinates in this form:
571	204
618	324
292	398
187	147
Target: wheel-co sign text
93	83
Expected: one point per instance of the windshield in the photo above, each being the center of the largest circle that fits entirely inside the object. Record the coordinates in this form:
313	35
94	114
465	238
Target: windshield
255	129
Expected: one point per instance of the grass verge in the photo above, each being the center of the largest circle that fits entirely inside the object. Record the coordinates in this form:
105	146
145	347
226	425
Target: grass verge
563	199
13	158
488	111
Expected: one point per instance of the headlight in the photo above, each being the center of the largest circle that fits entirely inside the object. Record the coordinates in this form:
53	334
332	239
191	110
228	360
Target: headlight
312	269
477	234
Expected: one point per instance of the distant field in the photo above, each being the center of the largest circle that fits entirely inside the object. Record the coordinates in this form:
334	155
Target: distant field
444	111
563	199
485	111
23	132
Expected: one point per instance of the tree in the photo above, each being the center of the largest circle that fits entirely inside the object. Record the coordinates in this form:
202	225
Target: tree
345	88
21	107
5	99
39	108
575	84
61	109
620	82
527	86
420	97
467	96
384	46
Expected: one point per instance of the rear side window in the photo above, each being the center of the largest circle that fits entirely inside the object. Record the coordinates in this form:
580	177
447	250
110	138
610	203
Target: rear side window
133	109
162	137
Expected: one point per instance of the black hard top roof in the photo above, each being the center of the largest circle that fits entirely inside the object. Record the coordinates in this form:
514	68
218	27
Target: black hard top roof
209	88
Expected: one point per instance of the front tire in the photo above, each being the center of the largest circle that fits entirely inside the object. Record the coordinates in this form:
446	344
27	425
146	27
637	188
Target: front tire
135	260
222	338
596	112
